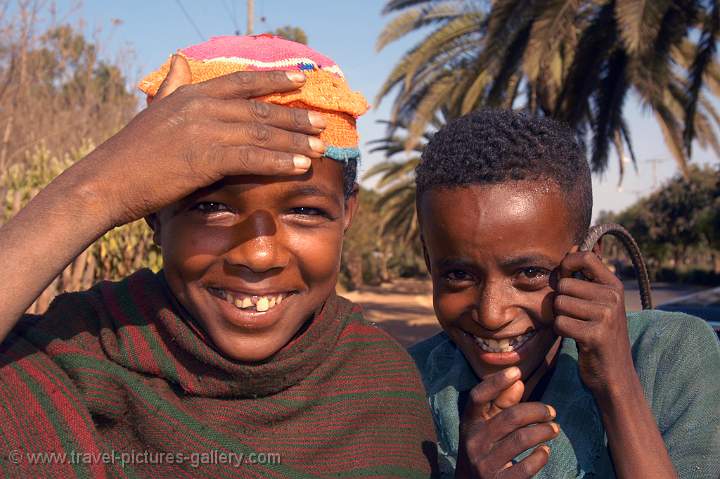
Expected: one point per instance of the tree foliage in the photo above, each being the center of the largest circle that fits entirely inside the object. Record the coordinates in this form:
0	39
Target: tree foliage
115	255
678	220
55	89
575	60
294	34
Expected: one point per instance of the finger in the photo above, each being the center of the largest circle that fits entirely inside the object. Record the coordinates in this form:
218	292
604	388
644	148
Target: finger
178	75
588	290
518	416
510	396
589	265
251	84
529	466
521	440
579	308
482	395
577	329
267	137
249	160
283	117
505	399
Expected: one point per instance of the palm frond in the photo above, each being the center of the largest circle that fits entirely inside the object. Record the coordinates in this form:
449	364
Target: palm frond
415	19
425	110
609	105
594	47
705	53
396	5
554	23
639	22
510	63
672	134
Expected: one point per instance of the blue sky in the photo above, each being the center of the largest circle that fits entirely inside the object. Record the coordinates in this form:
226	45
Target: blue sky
345	30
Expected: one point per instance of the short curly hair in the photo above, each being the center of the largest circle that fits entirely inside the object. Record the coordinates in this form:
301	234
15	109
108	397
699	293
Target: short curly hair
493	146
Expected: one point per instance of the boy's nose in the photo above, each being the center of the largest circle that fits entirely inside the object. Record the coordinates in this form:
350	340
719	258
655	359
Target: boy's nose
258	244
494	308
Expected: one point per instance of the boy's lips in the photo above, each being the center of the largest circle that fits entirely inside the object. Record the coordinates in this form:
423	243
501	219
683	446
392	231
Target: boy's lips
259	315
251	301
503	351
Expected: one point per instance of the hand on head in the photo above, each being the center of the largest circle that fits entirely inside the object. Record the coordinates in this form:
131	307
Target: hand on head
192	135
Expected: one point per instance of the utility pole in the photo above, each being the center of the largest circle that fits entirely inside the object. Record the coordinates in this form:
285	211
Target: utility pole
654	163
250	14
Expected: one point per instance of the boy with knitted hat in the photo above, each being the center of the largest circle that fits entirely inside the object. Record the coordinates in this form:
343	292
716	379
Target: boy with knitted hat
237	359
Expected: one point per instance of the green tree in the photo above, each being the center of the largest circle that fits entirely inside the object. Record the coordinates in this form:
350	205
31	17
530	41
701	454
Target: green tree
679	218
575	60
294	34
55	91
362	244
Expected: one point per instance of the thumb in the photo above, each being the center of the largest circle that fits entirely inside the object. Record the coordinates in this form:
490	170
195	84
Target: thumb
178	75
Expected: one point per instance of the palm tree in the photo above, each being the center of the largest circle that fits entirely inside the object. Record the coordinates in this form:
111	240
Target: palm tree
396	182
574	60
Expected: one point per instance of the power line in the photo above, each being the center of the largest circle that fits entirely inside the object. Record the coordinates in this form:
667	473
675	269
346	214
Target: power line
189	19
232	15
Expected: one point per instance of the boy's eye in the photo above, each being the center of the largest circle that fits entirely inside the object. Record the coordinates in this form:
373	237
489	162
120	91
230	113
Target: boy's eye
308	211
208	207
310	214
458	276
534	277
534	273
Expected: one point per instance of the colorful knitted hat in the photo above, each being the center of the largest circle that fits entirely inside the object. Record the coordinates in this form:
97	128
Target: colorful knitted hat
325	89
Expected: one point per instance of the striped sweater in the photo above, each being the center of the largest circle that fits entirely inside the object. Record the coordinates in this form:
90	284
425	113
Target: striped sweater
118	381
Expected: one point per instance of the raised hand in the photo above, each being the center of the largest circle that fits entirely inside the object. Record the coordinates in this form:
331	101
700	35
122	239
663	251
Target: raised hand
496	427
592	312
192	135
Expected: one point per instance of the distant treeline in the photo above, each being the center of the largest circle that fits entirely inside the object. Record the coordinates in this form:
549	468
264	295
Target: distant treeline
677	228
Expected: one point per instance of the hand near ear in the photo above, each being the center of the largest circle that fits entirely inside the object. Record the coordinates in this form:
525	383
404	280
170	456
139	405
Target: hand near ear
592	312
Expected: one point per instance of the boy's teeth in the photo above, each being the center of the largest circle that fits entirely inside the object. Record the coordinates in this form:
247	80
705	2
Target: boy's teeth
262	304
259	303
505	345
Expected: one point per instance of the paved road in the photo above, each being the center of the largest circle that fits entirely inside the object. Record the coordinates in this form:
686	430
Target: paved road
661	293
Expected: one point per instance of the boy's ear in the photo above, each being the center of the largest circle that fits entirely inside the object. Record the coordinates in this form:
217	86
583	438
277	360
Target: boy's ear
351	206
155	225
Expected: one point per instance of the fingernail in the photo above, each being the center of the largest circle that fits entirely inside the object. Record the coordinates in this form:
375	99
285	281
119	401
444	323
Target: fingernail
296	77
555	427
545	448
317	119
172	60
551	410
301	162
512	373
317	144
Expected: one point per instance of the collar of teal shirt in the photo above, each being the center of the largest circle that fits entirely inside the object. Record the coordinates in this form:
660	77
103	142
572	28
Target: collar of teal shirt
580	450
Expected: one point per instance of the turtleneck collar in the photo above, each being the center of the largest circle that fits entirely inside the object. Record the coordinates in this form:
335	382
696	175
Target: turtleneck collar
185	356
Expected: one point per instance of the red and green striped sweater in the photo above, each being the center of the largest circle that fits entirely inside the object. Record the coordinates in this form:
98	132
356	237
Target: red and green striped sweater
117	382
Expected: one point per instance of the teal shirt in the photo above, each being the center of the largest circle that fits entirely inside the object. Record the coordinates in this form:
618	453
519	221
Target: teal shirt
677	358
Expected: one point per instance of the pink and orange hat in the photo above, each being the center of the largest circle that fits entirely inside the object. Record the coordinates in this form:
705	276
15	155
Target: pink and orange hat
325	90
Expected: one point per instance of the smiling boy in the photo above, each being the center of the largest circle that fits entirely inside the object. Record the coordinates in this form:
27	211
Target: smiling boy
240	346
538	373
